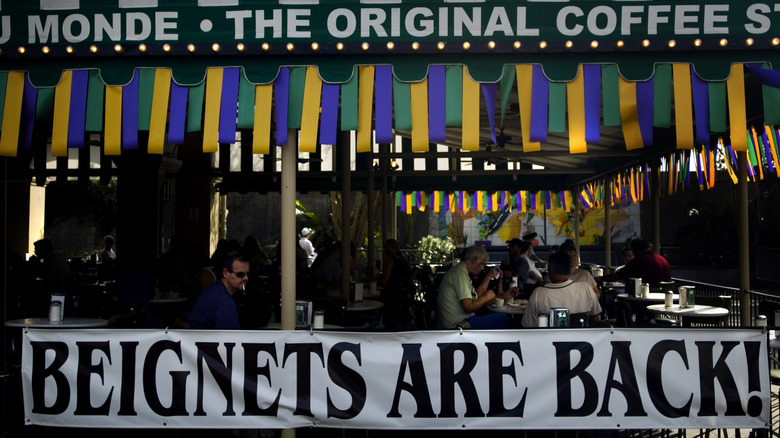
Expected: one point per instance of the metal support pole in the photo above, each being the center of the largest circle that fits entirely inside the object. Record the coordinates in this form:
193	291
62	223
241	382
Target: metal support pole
346	208
607	225
576	224
743	240
288	236
656	197
370	213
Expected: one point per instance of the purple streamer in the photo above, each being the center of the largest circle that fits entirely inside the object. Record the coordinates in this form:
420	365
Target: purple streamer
28	112
700	172
547	200
562	194
503	200
489	91
768	152
383	104
701	108
592	82
330	113
178	113
228	105
432	201
281	97
419	199
540	90
644	110
77	115
532	199
403	202
647	179
733	157
489	202
767	77
437	103
460	200
130	114
446	201
474	201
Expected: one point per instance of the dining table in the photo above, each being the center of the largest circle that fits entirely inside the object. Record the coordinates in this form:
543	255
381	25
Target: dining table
364	306
687	314
67	323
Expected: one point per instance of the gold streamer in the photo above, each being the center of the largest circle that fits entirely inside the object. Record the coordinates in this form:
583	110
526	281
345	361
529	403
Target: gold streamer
261	135
213	102
312	95
683	105
525	74
160	98
12	114
628	114
735	85
470	133
366	104
419	102
59	133
575	93
113	122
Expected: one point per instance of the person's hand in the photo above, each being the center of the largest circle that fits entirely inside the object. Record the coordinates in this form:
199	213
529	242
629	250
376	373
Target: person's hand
511	293
493	274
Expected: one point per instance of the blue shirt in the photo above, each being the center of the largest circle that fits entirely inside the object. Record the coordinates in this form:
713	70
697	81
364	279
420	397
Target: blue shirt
215	308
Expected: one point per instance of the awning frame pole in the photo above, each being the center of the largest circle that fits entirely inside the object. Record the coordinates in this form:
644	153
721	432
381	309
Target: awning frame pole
743	240
289	232
607	225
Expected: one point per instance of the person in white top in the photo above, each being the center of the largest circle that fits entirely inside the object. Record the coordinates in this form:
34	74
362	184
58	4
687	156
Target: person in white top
306	244
578	274
561	292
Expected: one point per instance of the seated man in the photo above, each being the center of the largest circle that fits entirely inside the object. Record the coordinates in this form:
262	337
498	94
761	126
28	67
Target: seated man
458	299
652	268
561	292
215	307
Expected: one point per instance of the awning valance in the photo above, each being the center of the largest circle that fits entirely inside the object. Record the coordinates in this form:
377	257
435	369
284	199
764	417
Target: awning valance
377	105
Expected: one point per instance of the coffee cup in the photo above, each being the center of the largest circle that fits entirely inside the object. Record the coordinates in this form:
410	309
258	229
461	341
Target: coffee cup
499	302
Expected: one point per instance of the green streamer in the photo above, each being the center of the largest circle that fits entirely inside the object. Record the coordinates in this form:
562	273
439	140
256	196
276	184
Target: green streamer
349	103
402	100
454	90
610	93
662	96
195	107
145	96
44	107
506	83
717	94
557	107
95	93
295	99
246	103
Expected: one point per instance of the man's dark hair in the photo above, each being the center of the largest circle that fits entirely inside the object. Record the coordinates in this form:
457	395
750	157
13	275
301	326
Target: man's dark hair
560	263
233	256
640	245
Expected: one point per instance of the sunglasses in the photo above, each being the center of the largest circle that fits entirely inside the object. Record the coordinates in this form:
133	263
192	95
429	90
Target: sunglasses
239	274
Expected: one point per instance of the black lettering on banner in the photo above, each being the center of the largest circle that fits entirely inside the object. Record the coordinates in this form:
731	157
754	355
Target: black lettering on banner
251	371
418	388
346	378
753	359
127	391
565	374
303	378
709	371
496	379
655	387
621	359
86	369
221	371
40	372
462	378
178	388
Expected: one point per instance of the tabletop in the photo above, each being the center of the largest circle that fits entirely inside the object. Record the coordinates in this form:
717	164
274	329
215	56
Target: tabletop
514	310
168	300
364	306
656	297
695	311
65	323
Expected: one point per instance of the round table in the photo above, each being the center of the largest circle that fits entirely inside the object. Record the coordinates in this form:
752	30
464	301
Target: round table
364	306
168	300
652	297
688	313
67	323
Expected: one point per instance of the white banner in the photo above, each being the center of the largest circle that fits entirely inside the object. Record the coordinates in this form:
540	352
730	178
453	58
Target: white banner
512	379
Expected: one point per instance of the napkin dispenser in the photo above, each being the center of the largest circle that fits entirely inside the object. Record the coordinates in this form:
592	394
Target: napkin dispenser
303	313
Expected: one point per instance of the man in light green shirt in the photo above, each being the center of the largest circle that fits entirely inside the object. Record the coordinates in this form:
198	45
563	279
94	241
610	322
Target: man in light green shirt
458	299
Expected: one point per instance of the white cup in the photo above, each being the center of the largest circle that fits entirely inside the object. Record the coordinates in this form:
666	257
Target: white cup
319	319
499	302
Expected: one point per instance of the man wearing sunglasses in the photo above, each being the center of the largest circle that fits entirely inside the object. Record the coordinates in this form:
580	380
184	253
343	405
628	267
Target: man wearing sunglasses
215	307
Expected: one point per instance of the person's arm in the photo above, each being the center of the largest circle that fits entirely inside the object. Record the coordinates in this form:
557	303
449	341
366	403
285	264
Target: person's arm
471	305
387	268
